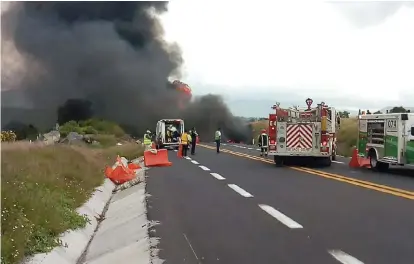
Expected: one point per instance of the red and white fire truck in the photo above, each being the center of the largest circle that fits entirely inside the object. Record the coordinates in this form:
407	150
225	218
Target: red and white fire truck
303	132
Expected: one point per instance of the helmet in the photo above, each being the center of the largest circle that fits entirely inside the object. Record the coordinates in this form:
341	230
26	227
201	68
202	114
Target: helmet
148	131
263	130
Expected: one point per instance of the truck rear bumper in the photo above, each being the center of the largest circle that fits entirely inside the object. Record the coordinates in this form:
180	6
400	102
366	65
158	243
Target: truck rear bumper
298	154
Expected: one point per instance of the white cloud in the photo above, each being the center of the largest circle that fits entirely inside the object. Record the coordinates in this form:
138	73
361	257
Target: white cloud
307	46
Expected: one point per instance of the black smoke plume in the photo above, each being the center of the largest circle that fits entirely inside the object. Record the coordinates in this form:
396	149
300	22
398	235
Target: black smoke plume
109	53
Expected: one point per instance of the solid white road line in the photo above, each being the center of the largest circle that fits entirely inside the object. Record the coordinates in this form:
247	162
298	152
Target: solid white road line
279	216
339	162
217	176
204	168
343	257
192	249
195	162
239	190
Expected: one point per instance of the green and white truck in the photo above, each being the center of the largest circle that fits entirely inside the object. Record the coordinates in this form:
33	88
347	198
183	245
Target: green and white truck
387	139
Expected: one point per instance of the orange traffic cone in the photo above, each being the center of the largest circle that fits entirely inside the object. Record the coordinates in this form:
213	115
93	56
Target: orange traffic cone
354	163
357	161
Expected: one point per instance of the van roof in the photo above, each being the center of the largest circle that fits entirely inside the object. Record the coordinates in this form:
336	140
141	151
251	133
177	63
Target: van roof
171	120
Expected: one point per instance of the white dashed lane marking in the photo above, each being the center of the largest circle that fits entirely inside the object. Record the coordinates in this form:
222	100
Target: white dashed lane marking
204	168
175	150
187	158
344	257
280	217
339	162
249	148
239	190
217	176
195	162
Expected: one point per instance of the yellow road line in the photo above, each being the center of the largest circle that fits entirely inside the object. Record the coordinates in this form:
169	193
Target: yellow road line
365	184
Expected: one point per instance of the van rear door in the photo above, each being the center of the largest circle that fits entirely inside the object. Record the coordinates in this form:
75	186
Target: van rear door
162	130
181	127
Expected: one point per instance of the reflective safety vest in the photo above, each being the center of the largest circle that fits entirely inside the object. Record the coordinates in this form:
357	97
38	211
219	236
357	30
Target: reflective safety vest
217	136
147	139
184	139
190	138
264	140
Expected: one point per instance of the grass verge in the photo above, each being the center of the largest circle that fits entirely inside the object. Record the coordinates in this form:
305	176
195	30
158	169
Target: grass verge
347	134
41	186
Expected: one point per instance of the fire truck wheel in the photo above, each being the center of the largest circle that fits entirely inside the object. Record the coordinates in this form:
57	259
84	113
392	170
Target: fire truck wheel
334	154
278	161
377	165
327	162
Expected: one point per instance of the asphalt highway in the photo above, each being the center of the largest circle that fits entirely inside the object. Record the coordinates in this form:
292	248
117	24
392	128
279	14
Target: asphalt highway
235	207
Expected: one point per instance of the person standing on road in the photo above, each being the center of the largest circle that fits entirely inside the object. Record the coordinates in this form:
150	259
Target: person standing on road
263	142
184	142
217	138
147	139
194	136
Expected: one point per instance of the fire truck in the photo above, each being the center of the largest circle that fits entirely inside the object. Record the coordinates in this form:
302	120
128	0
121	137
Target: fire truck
303	132
387	139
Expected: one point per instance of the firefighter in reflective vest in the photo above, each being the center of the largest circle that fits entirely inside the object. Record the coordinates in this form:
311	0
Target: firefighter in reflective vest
185	139
147	139
263	141
217	139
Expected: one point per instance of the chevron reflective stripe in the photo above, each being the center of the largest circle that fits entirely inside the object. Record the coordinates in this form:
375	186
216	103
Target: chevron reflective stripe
299	136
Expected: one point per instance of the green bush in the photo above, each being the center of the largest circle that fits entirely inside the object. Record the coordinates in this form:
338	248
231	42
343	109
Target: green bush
347	136
105	140
92	126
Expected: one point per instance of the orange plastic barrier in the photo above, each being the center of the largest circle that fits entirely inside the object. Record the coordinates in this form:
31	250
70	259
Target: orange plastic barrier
357	161
121	173
120	163
180	151
133	166
158	159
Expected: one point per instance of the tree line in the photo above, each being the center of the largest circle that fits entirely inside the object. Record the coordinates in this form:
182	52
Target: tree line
395	109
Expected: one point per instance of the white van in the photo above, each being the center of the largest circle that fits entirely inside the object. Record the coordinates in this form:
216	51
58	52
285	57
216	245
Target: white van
164	137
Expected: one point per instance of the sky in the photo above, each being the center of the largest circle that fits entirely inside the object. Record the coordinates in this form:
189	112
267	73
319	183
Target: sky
352	55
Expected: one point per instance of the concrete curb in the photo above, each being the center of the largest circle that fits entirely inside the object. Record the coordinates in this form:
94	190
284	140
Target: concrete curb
75	241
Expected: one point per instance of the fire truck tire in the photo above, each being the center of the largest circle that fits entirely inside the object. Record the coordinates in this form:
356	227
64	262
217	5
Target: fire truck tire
327	162
377	165
279	161
334	154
